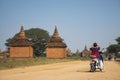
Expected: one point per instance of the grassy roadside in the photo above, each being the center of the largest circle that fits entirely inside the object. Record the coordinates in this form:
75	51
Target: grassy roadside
14	63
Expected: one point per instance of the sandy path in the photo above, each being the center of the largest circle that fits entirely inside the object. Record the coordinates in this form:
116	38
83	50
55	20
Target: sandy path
75	70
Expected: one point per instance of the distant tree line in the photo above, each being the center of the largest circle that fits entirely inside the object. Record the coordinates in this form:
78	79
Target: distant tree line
40	37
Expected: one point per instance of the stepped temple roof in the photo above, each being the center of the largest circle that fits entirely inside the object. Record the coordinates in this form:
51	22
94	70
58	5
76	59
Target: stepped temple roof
21	40
56	41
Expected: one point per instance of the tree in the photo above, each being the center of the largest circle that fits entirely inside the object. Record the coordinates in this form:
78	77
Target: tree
38	37
118	40
114	48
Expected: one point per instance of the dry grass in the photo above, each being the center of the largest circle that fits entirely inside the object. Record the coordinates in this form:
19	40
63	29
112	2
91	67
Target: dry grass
13	63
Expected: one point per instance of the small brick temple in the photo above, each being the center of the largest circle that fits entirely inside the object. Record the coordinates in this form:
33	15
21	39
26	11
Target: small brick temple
21	47
85	52
56	48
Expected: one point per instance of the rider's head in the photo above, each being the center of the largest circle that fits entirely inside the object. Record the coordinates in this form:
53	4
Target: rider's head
95	44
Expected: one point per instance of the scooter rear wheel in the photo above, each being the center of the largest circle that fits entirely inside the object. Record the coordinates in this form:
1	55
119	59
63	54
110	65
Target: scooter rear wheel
93	68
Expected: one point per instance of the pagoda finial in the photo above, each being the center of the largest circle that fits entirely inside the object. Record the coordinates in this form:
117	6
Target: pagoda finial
21	33
85	47
56	34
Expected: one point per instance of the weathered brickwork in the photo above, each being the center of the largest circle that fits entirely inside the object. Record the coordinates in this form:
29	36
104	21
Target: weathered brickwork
21	52
56	53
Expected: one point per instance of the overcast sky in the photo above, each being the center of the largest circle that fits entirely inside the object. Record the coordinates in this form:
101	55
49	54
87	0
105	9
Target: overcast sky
79	22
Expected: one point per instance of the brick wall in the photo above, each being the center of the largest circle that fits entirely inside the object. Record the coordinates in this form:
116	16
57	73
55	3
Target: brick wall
21	52
56	53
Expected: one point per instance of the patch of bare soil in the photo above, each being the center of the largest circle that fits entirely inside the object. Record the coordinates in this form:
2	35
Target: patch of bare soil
74	70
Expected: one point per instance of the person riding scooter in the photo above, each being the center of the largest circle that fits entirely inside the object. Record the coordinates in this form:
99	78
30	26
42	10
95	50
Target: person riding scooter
95	53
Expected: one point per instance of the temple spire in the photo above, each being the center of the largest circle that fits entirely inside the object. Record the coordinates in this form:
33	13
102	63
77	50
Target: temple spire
22	33
55	34
85	47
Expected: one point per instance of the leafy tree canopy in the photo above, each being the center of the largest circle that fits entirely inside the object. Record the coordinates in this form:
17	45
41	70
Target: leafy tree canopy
115	48
118	40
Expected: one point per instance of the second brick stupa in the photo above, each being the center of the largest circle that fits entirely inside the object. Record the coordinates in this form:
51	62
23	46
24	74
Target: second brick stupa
56	48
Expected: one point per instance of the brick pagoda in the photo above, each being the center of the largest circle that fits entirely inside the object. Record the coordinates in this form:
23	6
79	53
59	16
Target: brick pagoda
85	52
21	47
56	48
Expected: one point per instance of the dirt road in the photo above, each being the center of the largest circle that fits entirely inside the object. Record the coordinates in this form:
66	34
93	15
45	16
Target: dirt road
75	70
